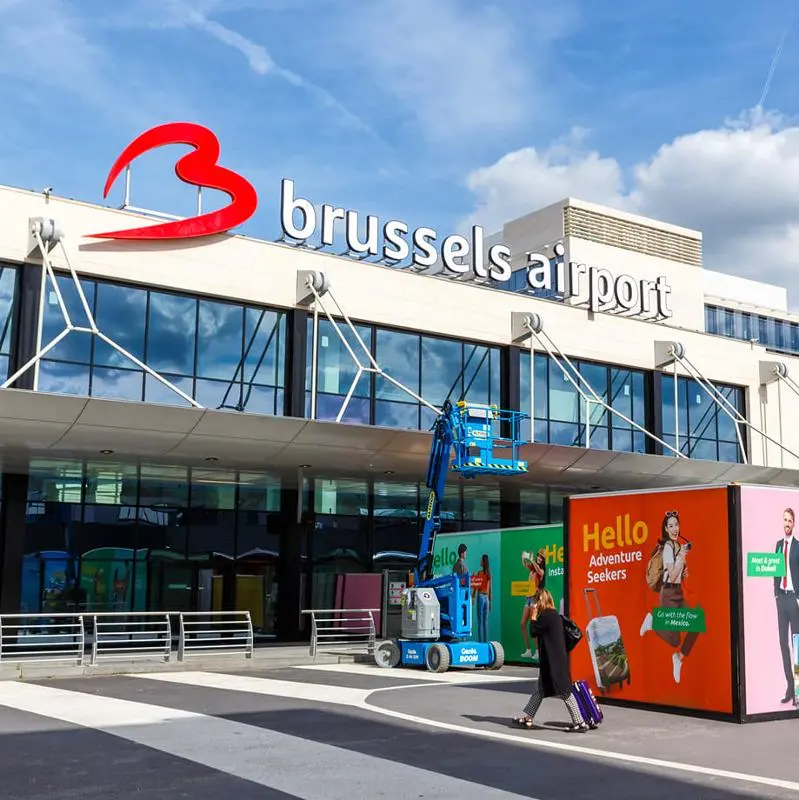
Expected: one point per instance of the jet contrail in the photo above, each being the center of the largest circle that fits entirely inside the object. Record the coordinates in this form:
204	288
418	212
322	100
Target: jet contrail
777	54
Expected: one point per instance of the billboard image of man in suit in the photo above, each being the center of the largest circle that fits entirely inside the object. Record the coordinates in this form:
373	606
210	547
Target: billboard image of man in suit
786	592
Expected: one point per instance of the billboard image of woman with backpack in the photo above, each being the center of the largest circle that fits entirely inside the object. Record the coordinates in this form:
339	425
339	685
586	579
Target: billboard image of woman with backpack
666	571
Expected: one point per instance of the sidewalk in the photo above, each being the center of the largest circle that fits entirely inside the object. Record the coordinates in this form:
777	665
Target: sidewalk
264	658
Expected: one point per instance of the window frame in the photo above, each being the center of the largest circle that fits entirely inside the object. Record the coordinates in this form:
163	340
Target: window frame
374	327
194	380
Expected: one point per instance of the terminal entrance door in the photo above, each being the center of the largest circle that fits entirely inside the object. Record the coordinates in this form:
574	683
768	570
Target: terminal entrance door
174	588
191	586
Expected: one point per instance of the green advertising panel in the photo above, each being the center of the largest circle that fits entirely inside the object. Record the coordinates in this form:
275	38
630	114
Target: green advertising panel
510	578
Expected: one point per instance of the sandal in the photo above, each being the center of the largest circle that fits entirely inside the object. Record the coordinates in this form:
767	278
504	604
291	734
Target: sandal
524	722
581	728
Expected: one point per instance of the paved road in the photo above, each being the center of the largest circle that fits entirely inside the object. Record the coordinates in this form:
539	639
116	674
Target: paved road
351	731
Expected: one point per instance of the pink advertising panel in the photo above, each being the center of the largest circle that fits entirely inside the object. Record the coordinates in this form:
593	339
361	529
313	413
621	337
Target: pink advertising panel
770	561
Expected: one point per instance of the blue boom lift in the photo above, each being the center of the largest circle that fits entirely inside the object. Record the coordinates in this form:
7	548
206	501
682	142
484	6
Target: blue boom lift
437	612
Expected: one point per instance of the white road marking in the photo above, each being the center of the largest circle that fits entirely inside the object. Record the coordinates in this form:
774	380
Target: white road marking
606	755
296	766
313	692
360	699
454	677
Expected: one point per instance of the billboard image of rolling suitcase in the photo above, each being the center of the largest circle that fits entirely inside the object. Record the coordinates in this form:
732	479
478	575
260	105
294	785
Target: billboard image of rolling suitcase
611	667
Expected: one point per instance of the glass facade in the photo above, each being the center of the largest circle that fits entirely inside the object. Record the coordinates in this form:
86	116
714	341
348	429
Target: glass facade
369	526
560	415
222	354
705	430
771	332
103	536
117	537
434	368
8	293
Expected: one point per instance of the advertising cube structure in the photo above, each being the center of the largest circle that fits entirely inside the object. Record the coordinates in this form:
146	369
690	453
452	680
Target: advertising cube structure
689	598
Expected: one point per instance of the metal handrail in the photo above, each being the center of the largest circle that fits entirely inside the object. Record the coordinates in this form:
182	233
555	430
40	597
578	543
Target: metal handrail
197	638
122	636
42	637
147	635
337	628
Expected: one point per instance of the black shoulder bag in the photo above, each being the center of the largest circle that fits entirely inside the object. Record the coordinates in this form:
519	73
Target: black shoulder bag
571	633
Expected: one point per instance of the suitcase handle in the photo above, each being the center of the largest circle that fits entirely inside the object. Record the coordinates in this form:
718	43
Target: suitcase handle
588	604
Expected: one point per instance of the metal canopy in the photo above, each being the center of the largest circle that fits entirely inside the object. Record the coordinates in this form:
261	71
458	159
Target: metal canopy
51	426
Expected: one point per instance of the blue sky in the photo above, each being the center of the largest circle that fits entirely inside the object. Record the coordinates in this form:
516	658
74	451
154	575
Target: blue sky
386	106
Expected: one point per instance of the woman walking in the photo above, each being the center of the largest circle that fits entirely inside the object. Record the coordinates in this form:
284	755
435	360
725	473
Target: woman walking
554	673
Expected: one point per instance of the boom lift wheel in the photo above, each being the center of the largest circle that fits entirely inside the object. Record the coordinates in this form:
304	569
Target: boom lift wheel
499	656
387	654
438	658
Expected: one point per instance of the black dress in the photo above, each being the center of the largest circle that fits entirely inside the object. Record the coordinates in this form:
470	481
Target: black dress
554	672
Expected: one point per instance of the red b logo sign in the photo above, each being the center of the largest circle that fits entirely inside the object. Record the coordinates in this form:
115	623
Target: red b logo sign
198	168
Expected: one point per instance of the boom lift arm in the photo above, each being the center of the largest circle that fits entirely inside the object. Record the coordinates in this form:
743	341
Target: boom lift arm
436	611
473	430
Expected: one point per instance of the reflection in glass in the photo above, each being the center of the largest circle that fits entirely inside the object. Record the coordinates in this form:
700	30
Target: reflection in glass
102	536
398	355
123	310
8	286
62	378
561	413
341	496
219	333
442	370
117	384
433	368
238	351
172	322
706	431
74	346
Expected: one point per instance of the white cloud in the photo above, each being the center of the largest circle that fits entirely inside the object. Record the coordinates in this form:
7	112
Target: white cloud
738	184
197	15
459	69
527	179
48	49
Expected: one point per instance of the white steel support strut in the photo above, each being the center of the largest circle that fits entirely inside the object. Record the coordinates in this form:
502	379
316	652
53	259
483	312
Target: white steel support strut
46	236
530	326
777	372
312	287
676	353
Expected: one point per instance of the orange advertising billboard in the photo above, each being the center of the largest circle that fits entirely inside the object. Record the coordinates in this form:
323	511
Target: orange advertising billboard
649	584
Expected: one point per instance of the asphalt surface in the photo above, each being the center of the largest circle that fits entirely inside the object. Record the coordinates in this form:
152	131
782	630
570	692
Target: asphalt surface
352	731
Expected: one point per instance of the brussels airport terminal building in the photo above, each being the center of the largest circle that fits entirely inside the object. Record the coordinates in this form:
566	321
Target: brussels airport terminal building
206	419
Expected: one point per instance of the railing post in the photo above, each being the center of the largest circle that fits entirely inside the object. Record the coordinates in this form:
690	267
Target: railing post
96	642
313	635
181	639
250	637
82	639
2	637
372	634
167	639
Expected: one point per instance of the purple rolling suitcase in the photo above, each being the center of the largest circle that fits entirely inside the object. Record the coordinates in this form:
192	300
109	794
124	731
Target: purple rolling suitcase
587	704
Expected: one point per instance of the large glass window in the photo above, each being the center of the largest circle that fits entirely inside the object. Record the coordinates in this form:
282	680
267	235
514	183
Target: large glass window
560	415
705	430
365	526
433	368
222	354
771	332
8	291
106	537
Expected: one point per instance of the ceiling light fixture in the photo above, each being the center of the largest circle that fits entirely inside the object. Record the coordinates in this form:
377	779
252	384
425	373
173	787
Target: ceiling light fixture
106	452
212	458
305	466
